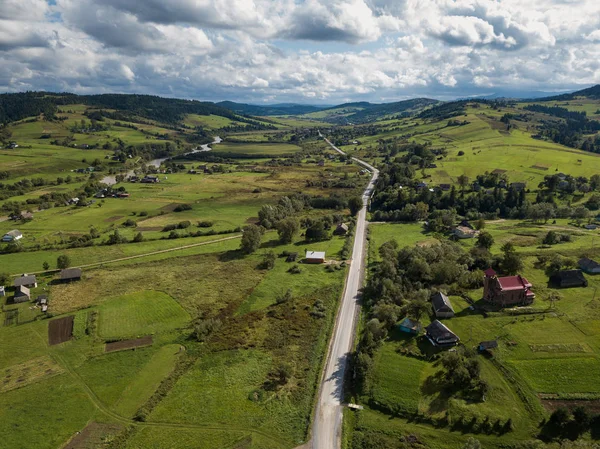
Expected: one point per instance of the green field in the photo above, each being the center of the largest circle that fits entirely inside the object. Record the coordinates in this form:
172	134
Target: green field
138	314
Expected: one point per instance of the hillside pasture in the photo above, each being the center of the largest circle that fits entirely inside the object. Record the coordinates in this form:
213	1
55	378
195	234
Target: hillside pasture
144	312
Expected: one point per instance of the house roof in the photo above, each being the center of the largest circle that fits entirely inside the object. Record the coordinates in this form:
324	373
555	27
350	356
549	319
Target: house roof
466	224
14	233
70	273
315	254
343	226
441	303
490	272
573	277
465	230
22	291
410	324
588	264
491	344
25	280
514	283
437	330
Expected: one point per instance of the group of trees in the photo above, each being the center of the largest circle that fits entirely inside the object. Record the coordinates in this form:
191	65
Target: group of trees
566	424
461	373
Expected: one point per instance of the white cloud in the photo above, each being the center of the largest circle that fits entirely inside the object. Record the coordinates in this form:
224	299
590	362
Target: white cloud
298	49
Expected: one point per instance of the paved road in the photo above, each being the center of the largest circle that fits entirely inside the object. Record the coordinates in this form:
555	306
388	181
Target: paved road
327	427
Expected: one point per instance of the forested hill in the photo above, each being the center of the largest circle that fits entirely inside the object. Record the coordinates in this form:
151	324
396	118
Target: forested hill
167	110
276	109
593	93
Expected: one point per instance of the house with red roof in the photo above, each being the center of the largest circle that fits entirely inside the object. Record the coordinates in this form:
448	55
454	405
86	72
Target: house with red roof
507	290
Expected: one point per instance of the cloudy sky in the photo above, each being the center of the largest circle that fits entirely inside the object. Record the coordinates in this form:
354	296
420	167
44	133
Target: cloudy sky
306	51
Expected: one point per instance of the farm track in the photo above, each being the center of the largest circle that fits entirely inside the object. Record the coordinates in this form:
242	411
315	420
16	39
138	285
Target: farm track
152	253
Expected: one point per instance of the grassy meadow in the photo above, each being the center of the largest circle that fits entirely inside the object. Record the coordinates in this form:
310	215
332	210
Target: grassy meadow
220	335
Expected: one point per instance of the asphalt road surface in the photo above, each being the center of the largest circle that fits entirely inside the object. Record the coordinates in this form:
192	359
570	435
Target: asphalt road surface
327	427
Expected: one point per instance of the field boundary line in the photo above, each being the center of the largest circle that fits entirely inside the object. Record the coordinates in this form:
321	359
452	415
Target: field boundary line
152	253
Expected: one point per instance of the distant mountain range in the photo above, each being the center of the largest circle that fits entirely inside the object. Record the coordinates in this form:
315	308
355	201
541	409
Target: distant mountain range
274	109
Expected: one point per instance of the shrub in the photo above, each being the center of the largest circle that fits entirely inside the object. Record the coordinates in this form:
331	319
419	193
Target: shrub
63	262
295	270
143	213
205	224
182	207
461	153
129	223
169	227
184	224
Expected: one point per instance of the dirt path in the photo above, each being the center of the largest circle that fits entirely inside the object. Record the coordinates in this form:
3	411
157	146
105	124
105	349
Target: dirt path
237	236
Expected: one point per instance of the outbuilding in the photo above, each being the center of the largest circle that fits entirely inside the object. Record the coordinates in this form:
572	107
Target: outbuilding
342	229
410	326
12	236
315	256
70	274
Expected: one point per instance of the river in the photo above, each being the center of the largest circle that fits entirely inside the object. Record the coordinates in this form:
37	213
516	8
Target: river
112	179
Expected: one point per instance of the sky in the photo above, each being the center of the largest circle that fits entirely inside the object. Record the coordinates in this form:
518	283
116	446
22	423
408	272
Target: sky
302	51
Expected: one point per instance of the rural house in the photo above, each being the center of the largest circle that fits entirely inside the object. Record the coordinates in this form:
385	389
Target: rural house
341	229
409	326
439	335
589	266
25	280
568	278
442	308
70	274
150	179
22	294
12	236
315	256
591	227
506	291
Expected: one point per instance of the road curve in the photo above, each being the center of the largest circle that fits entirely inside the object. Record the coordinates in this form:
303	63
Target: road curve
327	426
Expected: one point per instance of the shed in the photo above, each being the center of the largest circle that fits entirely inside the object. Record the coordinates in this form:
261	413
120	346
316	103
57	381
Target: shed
589	266
28	281
463	232
487	345
409	326
12	236
591	227
42	299
342	229
22	294
568	278
315	256
439	335
70	274
442	307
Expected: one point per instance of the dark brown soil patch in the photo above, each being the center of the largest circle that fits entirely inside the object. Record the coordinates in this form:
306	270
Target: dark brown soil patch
128	344
592	406
93	435
60	330
252	220
499	171
115	218
540	167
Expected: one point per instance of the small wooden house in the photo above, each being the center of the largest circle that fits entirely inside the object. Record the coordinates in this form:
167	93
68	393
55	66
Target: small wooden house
442	308
341	229
29	281
439	335
589	266
410	327
568	279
